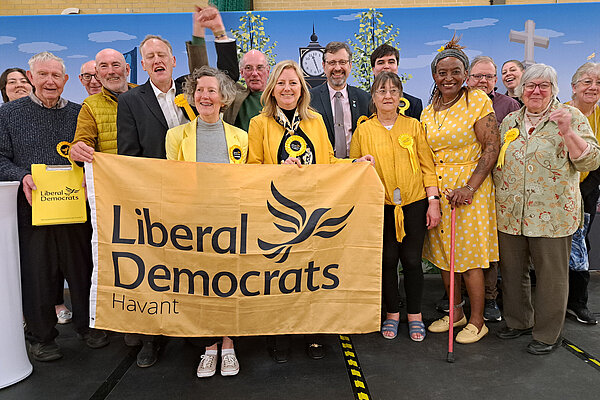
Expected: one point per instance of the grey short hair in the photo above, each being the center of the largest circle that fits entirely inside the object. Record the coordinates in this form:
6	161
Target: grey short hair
227	88
46	56
479	59
157	37
589	68
538	71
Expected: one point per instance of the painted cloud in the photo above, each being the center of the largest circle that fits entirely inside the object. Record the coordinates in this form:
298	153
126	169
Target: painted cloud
7	39
38	47
109	36
474	23
549	33
346	17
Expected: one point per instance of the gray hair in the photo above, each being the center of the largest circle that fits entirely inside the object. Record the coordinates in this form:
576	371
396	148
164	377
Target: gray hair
538	71
46	56
226	86
589	68
480	59
157	37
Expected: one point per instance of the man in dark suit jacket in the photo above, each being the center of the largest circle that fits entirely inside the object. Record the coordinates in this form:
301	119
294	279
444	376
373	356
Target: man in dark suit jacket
144	114
385	58
355	102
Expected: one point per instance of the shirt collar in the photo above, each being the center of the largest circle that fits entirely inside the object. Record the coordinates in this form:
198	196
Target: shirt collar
61	103
333	91
157	91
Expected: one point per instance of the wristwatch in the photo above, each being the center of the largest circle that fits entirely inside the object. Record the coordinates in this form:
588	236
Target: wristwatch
433	198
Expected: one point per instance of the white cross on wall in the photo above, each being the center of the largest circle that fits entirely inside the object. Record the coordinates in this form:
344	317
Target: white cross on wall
529	39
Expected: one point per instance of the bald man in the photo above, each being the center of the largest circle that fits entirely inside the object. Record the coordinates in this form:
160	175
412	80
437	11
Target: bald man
87	77
97	121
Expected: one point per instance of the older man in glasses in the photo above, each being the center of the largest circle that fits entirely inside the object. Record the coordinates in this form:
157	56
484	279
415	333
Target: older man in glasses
482	75
88	79
340	104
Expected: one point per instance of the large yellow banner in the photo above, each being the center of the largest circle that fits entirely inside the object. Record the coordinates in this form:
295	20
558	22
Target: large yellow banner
194	249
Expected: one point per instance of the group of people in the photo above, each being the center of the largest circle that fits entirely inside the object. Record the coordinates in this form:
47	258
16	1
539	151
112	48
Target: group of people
514	168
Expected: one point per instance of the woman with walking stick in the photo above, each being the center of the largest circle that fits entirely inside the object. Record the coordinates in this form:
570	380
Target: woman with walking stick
462	131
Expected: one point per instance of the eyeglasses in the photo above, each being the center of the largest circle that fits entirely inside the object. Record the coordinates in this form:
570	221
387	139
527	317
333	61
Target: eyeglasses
88	77
544	86
588	82
481	76
333	63
393	92
258	68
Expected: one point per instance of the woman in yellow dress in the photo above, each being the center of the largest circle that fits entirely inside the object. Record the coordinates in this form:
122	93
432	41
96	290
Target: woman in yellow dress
462	131
412	201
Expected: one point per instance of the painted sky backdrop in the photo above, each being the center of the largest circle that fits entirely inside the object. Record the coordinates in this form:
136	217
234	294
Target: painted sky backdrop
573	30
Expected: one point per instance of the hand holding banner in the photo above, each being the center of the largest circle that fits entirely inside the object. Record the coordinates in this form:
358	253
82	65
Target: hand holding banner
194	249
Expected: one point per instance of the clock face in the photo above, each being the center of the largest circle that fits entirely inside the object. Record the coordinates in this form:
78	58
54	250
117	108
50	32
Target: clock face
312	62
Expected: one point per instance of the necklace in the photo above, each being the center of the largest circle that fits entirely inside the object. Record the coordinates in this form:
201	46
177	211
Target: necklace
538	117
440	124
451	101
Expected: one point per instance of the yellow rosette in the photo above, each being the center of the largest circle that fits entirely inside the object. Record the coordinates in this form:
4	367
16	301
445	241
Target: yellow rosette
295	145
235	154
404	107
509	136
181	101
63	148
406	141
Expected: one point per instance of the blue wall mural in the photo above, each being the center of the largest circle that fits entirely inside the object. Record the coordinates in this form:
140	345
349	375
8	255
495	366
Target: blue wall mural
572	30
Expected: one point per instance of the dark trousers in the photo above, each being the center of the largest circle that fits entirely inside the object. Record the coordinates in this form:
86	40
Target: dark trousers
578	280
550	258
47	254
408	252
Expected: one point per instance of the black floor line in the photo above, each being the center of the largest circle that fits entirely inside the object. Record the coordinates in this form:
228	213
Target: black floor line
355	373
582	354
113	379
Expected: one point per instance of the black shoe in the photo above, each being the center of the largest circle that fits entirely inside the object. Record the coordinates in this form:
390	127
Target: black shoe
540	348
280	356
45	351
511	333
491	312
148	355
582	315
315	351
94	338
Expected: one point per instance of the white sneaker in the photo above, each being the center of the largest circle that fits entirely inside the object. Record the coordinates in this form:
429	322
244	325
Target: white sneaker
64	316
229	365
207	366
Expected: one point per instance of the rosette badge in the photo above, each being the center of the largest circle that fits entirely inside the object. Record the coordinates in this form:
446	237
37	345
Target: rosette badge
407	142
509	136
295	146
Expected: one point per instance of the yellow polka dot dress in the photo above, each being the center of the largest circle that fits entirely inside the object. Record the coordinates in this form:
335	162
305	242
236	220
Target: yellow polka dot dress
456	150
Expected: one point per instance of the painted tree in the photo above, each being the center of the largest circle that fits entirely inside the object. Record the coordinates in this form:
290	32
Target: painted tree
372	32
251	36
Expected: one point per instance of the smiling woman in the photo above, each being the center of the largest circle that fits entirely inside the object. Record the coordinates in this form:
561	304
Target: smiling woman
209	139
14	84
462	131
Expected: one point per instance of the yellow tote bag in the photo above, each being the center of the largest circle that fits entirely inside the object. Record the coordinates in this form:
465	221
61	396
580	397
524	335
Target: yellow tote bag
59	198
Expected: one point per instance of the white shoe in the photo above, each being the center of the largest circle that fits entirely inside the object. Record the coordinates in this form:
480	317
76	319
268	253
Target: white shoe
207	366
64	317
229	365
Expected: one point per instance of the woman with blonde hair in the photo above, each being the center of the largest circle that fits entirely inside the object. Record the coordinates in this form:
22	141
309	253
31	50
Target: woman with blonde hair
288	131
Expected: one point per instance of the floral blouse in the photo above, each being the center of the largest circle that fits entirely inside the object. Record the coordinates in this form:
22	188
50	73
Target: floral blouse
537	188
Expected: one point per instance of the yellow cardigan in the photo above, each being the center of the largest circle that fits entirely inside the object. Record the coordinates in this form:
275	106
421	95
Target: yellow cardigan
393	161
265	134
180	143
